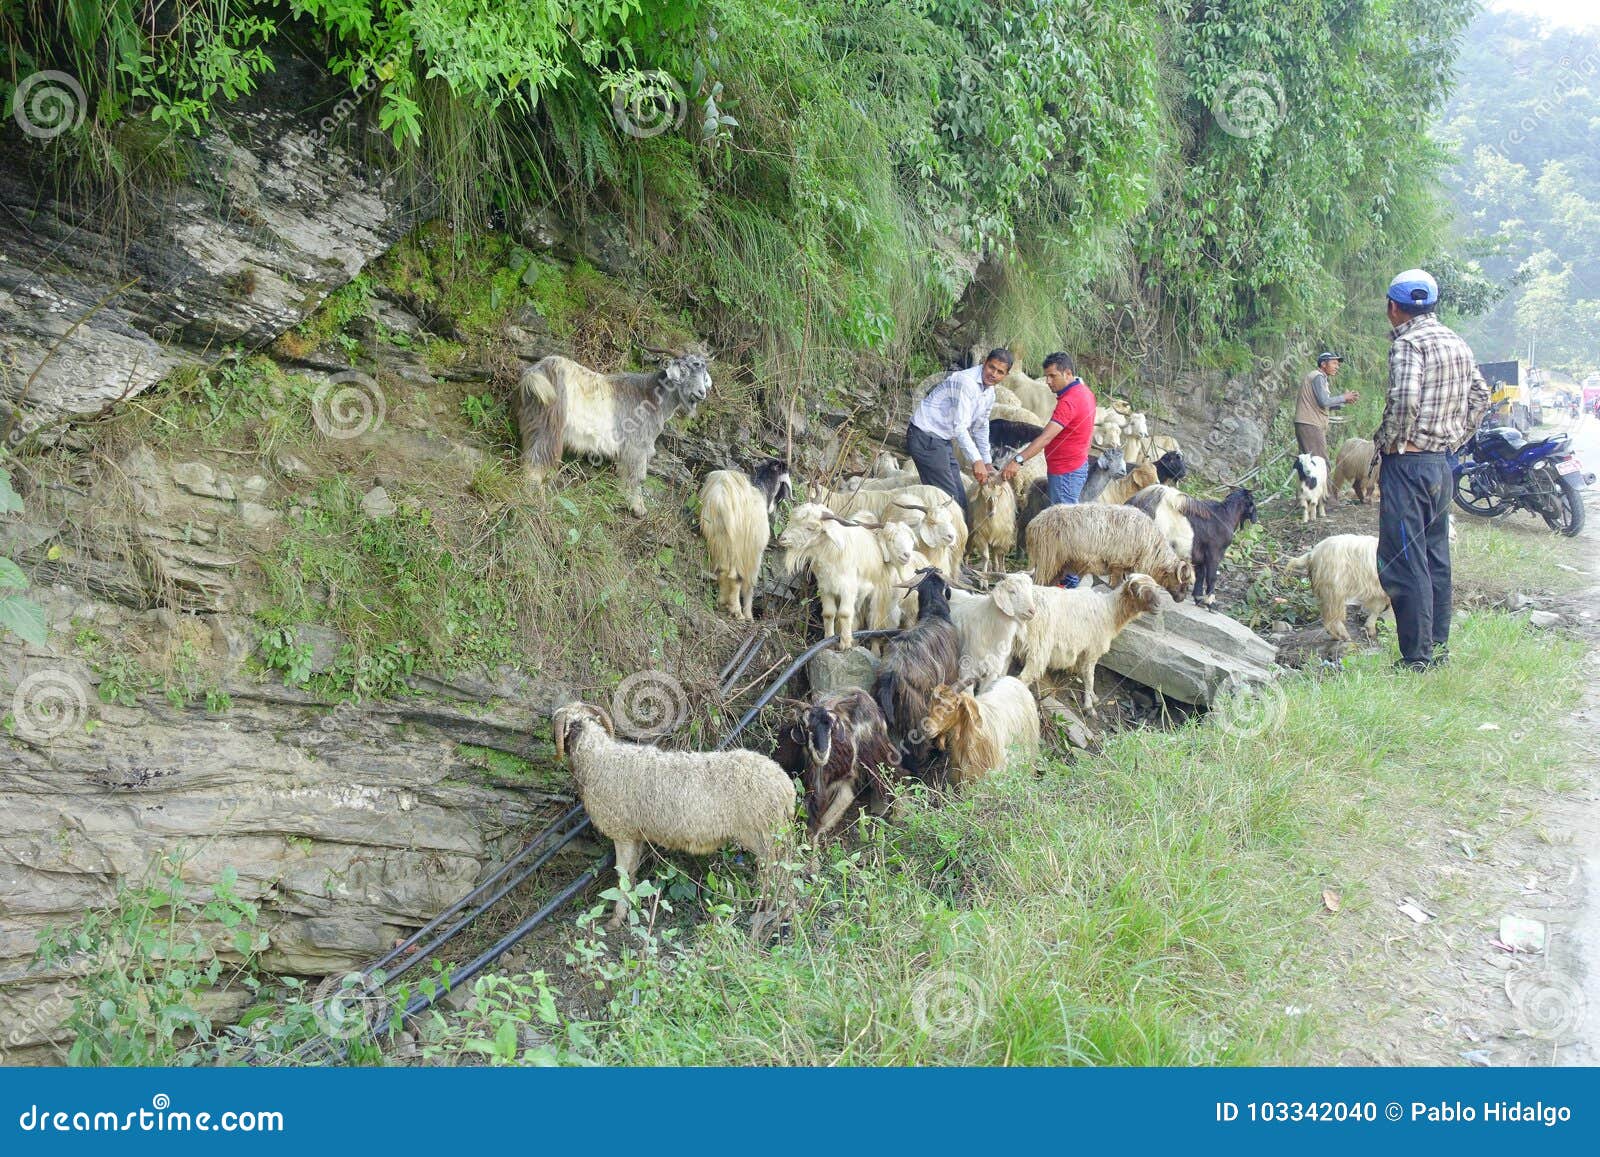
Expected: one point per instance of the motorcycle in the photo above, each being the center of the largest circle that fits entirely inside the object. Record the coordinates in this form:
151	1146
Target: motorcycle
1499	471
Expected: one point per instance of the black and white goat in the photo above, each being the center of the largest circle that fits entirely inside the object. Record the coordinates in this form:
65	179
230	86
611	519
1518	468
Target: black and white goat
1313	471
1197	529
562	405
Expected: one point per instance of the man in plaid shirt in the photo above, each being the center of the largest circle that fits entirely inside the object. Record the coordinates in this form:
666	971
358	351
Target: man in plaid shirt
1436	397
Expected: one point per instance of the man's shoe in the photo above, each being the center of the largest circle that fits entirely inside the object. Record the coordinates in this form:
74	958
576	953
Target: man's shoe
1412	664
1441	656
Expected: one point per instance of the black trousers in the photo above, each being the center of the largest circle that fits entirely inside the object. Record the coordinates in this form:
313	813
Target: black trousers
1414	549
937	465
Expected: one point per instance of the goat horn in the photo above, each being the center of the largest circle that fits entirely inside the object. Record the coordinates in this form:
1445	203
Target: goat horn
903	505
829	516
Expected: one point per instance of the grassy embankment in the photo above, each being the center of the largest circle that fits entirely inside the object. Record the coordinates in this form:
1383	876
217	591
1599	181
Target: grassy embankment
1161	903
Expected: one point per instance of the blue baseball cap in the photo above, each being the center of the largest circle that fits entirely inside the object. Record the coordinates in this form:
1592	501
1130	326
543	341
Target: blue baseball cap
1414	287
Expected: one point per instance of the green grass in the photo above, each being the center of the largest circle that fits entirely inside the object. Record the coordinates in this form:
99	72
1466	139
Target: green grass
1516	553
1154	905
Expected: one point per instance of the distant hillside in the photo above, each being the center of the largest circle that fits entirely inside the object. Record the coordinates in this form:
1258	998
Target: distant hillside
1525	119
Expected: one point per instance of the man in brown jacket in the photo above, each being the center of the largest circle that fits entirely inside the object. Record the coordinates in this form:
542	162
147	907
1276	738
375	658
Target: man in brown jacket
1316	399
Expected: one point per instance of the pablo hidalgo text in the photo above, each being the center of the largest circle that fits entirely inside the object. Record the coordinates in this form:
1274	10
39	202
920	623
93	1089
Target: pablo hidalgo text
1493	1112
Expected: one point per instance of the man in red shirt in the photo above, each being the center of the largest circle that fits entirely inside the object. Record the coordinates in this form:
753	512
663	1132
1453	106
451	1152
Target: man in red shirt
1064	442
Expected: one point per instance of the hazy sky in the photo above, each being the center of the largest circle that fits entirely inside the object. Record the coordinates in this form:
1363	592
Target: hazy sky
1572	13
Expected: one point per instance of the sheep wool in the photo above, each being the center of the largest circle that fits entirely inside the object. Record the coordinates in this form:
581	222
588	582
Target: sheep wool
1113	541
687	801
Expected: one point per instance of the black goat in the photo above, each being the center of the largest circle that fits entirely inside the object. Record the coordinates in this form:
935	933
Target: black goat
1198	528
1006	435
923	657
1171	467
839	749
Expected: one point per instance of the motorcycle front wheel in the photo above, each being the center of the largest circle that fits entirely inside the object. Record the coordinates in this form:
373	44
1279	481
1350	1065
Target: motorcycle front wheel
1483	505
1569	519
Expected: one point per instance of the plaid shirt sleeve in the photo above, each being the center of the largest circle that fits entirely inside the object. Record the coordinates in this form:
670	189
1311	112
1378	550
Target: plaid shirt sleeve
1477	400
1405	390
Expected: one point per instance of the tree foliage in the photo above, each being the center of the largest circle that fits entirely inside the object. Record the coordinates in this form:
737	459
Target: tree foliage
822	174
1525	124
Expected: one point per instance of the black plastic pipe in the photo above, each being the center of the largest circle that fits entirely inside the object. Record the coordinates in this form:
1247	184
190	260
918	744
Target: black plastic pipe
424	1000
500	874
466	920
805	657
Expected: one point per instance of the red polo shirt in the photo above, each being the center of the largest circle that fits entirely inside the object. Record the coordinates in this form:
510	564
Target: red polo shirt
1075	412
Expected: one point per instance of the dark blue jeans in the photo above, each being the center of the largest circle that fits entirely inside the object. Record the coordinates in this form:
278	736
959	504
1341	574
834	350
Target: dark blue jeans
1065	488
1414	550
937	466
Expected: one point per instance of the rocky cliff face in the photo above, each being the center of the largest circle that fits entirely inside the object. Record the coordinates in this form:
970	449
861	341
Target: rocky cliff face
273	213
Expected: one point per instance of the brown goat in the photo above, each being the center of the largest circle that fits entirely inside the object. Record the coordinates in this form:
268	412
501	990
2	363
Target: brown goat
839	747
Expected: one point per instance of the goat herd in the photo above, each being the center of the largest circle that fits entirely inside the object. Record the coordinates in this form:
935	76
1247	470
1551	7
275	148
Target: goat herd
886	552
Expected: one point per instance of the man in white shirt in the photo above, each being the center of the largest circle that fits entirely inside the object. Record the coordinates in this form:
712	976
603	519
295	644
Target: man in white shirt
957	409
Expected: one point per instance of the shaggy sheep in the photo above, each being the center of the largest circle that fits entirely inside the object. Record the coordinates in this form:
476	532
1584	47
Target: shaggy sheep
1353	466
1104	469
988	626
686	801
1197	528
978	732
1114	541
1343	568
1035	397
854	565
993	508
735	509
1313	471
1074	629
562	405
925	656
840	751
1118	490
